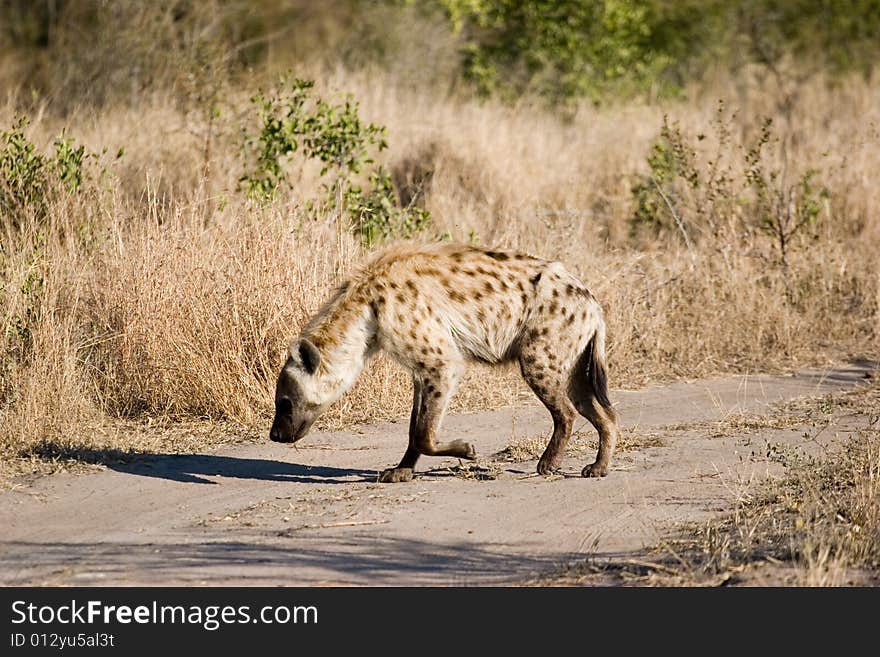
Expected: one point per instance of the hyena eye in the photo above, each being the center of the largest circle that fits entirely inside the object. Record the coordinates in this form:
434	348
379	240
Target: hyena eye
283	406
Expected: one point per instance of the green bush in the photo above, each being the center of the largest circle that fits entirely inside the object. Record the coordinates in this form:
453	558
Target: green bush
781	210
604	48
292	120
294	123
376	214
28	179
561	50
737	193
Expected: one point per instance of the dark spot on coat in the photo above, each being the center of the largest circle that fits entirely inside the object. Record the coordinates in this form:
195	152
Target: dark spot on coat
534	279
488	287
411	285
455	295
497	255
553	308
437	394
400	297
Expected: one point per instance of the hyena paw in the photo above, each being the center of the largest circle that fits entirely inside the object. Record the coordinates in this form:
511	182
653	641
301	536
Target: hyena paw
460	449
595	470
547	466
395	475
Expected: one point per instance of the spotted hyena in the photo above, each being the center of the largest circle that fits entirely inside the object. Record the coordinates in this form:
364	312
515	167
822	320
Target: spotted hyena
436	308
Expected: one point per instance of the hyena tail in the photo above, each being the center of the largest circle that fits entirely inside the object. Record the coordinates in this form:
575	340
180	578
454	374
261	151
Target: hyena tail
597	373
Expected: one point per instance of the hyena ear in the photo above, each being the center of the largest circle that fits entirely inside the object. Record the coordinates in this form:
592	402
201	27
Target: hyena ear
309	355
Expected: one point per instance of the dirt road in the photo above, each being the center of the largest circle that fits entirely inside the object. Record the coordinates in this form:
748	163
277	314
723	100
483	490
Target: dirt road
267	514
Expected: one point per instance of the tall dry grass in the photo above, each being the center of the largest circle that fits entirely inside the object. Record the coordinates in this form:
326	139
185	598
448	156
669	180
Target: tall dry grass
164	293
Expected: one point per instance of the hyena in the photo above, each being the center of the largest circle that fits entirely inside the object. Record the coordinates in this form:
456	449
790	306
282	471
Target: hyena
436	308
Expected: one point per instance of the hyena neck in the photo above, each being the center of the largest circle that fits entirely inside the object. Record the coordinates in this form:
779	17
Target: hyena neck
345	340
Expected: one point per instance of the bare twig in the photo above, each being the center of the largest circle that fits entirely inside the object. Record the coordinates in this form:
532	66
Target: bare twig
676	218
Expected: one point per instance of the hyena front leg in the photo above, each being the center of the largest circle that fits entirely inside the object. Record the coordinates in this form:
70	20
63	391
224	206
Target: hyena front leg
431	392
404	470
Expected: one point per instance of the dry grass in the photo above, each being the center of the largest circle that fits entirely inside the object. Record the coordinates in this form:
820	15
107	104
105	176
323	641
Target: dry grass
166	296
819	525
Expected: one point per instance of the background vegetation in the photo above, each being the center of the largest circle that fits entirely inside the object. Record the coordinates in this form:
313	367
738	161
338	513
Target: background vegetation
182	182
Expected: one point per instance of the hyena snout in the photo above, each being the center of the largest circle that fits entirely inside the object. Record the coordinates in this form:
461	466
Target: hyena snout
281	431
279	434
285	429
290	424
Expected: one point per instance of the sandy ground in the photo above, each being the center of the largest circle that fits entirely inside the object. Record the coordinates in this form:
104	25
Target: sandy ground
269	514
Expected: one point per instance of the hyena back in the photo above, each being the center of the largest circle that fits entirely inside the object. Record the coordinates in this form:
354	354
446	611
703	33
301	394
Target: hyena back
436	308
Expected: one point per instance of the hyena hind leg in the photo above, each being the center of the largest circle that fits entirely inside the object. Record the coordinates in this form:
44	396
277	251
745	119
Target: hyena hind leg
549	385
603	418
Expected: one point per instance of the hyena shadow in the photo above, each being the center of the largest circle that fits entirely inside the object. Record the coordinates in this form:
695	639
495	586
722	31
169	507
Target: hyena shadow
193	468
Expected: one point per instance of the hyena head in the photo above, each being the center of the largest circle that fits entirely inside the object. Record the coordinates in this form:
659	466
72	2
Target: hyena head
296	406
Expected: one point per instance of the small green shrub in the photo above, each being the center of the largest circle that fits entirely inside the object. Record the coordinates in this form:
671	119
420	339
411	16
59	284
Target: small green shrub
732	195
28	179
781	210
672	172
293	122
376	215
69	162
